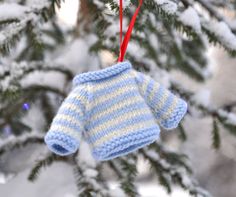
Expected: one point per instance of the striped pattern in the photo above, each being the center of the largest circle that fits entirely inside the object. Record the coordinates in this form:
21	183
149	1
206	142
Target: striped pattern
68	123
168	109
116	110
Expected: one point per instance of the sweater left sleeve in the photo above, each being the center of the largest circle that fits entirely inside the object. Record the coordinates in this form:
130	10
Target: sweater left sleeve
68	124
167	108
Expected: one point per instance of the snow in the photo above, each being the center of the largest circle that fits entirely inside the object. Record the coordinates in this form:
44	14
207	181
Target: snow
33	116
110	11
76	55
68	12
154	41
202	97
91	173
85	155
126	3
162	77
13	139
115	191
230	117
190	18
12	11
148	190
49	185
13	29
2	37
5	178
168	6
16	71
39	4
55	181
225	35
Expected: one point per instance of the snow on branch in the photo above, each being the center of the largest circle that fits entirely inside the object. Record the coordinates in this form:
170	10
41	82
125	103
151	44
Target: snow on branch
126	180
204	73
230	118
218	31
88	180
223	115
10	74
18	70
224	34
168	6
14	142
47	161
190	18
18	18
9	11
168	171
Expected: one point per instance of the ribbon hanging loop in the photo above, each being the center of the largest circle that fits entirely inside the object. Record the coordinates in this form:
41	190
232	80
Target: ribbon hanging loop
124	44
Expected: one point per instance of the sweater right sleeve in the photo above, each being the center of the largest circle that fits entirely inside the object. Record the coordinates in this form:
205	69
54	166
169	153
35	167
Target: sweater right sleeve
66	128
167	108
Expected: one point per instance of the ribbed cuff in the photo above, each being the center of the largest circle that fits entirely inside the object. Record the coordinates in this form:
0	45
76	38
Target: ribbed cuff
177	116
60	143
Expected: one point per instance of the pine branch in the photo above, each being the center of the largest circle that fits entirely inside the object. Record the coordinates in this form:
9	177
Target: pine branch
125	169
13	142
169	173
182	132
37	88
215	135
88	182
11	34
43	163
30	18
19	70
220	114
210	9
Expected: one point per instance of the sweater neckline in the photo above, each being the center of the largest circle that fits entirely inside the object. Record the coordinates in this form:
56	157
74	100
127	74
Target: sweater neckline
101	74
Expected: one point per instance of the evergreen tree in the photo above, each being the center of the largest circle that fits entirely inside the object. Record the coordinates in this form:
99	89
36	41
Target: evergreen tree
169	35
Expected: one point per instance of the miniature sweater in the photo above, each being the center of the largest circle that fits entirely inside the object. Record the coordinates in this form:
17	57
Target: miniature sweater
116	110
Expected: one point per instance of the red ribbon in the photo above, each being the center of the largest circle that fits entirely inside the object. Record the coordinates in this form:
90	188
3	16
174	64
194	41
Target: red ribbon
124	44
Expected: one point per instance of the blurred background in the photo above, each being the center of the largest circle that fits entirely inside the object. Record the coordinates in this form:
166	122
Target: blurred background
188	46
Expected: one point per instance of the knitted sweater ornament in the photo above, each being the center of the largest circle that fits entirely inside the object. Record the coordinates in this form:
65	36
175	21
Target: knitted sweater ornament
116	110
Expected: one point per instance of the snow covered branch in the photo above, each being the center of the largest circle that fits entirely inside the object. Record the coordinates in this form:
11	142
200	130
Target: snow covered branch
126	180
88	180
222	115
14	142
17	70
170	167
47	161
18	18
11	76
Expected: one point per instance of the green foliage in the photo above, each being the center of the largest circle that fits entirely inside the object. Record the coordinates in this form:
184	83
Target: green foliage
215	135
127	180
182	133
43	163
88	186
230	127
126	164
19	142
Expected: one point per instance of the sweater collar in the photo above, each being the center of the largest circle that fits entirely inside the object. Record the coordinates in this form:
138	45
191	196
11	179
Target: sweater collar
101	74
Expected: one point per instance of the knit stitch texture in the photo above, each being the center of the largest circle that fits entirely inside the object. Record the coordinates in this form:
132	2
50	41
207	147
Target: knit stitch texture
117	111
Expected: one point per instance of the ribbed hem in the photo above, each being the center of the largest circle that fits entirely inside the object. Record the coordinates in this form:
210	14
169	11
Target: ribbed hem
126	144
101	74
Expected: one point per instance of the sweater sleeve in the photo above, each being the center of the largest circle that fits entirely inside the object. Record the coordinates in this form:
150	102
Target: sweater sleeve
68	124
167	108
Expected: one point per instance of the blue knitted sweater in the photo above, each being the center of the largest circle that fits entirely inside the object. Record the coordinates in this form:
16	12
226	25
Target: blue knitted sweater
117	110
